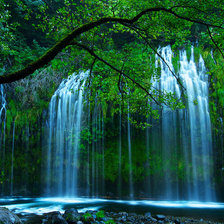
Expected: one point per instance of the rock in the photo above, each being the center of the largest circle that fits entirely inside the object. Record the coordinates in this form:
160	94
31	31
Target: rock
105	219
148	215
160	217
8	217
131	219
87	218
79	222
153	219
123	219
55	218
72	216
123	213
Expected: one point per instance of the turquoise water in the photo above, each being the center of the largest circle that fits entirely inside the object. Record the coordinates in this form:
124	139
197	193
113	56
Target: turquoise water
39	206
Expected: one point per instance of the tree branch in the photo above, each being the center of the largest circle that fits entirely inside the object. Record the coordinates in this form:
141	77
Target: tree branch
158	54
209	32
91	71
117	70
64	42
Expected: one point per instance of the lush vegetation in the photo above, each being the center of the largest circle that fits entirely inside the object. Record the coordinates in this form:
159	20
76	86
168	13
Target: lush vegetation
117	41
119	50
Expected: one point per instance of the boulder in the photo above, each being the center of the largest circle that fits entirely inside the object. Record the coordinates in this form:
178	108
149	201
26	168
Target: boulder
72	216
8	217
55	218
148	215
160	217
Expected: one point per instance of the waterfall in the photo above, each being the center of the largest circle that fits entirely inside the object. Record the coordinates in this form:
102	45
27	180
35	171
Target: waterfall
131	188
119	156
12	159
189	129
2	132
196	82
97	161
177	148
65	116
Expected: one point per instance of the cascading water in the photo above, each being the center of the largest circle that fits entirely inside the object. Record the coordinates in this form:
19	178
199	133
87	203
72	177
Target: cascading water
188	129
119	157
2	132
131	188
178	147
65	116
97	154
12	160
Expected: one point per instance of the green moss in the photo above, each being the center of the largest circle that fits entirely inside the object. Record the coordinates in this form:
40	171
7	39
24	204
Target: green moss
196	54
188	51
100	214
176	62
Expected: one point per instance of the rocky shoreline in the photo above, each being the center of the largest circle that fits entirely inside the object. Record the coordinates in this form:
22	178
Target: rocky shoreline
72	216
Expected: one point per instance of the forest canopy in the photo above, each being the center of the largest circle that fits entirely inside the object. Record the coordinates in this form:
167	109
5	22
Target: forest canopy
116	40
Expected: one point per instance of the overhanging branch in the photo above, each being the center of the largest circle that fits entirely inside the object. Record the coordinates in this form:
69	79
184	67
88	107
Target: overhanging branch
115	69
64	42
209	32
159	55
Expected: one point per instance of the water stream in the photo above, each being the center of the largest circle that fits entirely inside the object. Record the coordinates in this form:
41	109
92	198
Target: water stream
2	132
179	145
65	118
186	134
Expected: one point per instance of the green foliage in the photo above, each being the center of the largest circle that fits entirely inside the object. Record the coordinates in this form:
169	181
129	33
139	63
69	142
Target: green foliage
2	177
87	216
130	49
216	68
100	214
196	54
176	62
111	221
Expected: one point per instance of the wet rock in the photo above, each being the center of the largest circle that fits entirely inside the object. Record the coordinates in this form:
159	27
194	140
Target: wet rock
123	219
8	217
123	213
177	221
55	218
148	215
131	219
87	218
153	219
79	222
72	216
160	217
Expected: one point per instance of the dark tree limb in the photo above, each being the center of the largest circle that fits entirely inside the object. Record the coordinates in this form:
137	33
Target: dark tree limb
119	82
91	71
209	32
115	69
64	42
158	54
